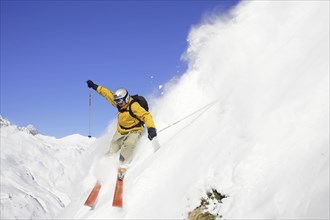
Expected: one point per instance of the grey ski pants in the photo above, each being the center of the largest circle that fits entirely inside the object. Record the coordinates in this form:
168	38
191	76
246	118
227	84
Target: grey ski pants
126	144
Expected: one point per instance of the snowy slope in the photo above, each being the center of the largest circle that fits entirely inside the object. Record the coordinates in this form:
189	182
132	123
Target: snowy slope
264	143
38	172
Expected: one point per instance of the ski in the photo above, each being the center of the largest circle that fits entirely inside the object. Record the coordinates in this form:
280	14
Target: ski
93	195
118	195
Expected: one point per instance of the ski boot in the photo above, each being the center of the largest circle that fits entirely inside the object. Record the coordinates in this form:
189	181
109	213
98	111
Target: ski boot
121	173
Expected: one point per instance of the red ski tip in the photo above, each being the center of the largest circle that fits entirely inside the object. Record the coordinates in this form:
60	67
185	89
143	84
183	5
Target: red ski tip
118	196
93	195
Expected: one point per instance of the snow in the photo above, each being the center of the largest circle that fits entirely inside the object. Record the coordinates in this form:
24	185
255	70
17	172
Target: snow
255	108
38	172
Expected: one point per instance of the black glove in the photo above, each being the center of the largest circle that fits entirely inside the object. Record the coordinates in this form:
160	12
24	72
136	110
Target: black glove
152	133
90	84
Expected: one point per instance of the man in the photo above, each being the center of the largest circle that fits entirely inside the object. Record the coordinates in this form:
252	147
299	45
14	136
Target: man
129	128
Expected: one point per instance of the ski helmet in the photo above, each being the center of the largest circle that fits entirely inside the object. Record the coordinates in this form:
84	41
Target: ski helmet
120	96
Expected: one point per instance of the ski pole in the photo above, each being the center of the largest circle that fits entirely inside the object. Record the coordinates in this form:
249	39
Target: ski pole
195	112
90	114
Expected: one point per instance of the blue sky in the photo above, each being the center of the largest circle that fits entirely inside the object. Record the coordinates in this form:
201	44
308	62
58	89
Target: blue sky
50	48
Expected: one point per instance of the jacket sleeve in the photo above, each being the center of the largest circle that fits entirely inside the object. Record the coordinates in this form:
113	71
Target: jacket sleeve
108	94
143	115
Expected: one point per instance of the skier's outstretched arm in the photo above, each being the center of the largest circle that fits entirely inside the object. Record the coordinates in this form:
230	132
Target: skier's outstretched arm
106	93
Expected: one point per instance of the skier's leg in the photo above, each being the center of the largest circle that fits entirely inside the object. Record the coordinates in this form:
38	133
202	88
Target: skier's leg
116	142
127	149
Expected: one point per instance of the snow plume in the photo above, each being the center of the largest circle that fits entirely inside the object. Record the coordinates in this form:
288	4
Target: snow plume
265	143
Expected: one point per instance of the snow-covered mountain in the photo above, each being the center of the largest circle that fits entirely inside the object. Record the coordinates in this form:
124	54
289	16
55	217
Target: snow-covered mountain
38	173
257	96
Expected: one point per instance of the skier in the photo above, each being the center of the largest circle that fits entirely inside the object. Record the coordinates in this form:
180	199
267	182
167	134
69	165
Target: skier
129	128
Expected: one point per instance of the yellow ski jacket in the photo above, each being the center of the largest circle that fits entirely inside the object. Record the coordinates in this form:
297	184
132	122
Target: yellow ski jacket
127	123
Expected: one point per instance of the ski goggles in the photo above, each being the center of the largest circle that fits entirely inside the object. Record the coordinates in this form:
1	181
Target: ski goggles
119	101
